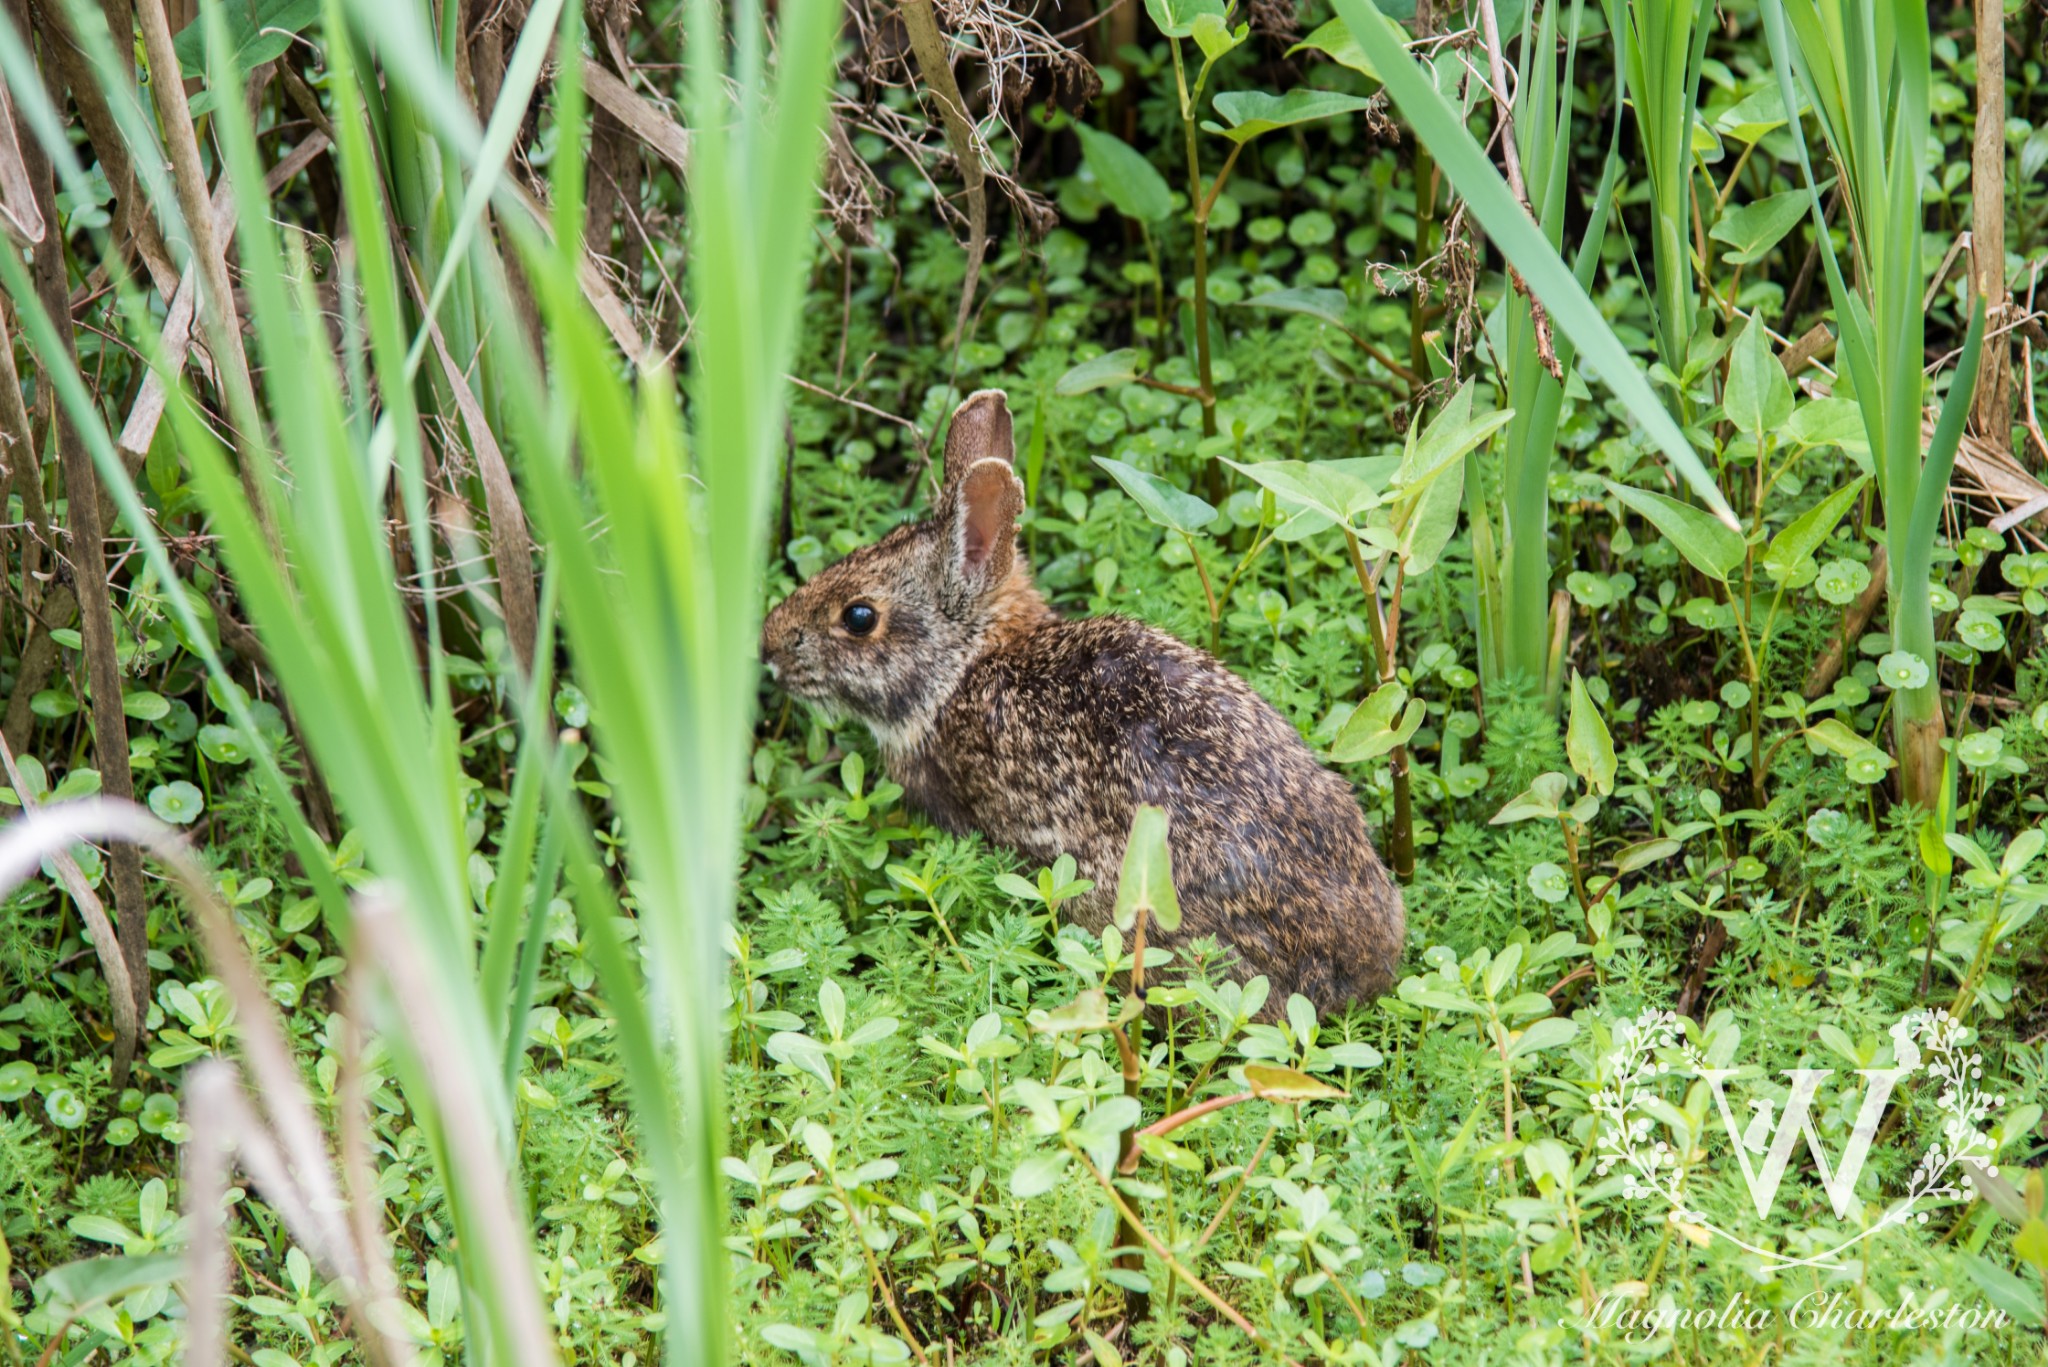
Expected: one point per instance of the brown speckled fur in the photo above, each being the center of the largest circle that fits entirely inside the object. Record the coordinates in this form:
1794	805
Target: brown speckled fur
998	716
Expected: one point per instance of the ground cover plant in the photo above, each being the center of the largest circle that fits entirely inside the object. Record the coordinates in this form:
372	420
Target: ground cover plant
1609	432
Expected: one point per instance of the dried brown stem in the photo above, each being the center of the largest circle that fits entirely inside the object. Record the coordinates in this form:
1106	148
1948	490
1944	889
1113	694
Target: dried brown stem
89	577
217	299
928	46
1992	402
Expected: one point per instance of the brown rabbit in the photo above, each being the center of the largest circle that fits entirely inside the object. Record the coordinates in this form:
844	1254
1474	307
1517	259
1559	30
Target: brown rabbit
1045	735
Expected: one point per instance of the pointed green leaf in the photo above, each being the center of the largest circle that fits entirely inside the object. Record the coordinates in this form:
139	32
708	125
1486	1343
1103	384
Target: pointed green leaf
1759	397
1171	507
1809	531
1752	229
1176	18
1248	113
1334	41
1587	742
1213	34
1112	367
1328	305
1712	548
1271	1083
1147	879
1130	182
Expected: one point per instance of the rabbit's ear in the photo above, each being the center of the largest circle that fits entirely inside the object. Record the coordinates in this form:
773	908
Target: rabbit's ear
985	504
980	431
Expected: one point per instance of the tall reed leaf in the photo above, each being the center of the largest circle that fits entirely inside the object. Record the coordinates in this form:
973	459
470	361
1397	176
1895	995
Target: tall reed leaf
1659	46
1866	69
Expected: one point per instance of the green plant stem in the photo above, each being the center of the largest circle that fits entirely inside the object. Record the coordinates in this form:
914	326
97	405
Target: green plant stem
1401	840
875	1271
1208	592
1237	1187
1173	1264
1204	366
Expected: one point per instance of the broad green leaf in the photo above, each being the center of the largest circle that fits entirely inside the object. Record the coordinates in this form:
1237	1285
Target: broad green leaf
1442	129
1549	1033
1426	518
258	31
1214	36
1334	41
1758	397
1430	486
1749	118
1130	182
2019	1297
1829	422
1710	547
1587	742
1809	531
1934	851
1644	853
1340	494
1147	879
1328	305
1544	799
1089	1011
1837	737
145	706
1112	367
1037	1175
1752	229
1385	719
1271	1083
1166	504
1248	113
1176	18
88	1282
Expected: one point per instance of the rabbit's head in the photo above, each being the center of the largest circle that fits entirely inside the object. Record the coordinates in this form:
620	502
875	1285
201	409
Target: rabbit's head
884	635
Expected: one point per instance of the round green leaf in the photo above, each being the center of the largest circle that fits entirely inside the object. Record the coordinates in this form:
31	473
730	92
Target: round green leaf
178	803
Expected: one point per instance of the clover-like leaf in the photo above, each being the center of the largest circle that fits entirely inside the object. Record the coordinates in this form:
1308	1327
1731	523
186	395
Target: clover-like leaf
1902	670
178	803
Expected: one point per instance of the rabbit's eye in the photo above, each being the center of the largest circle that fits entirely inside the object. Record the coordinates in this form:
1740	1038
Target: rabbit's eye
860	618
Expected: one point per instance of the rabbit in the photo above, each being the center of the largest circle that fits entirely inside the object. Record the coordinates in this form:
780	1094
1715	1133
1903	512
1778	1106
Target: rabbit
997	715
